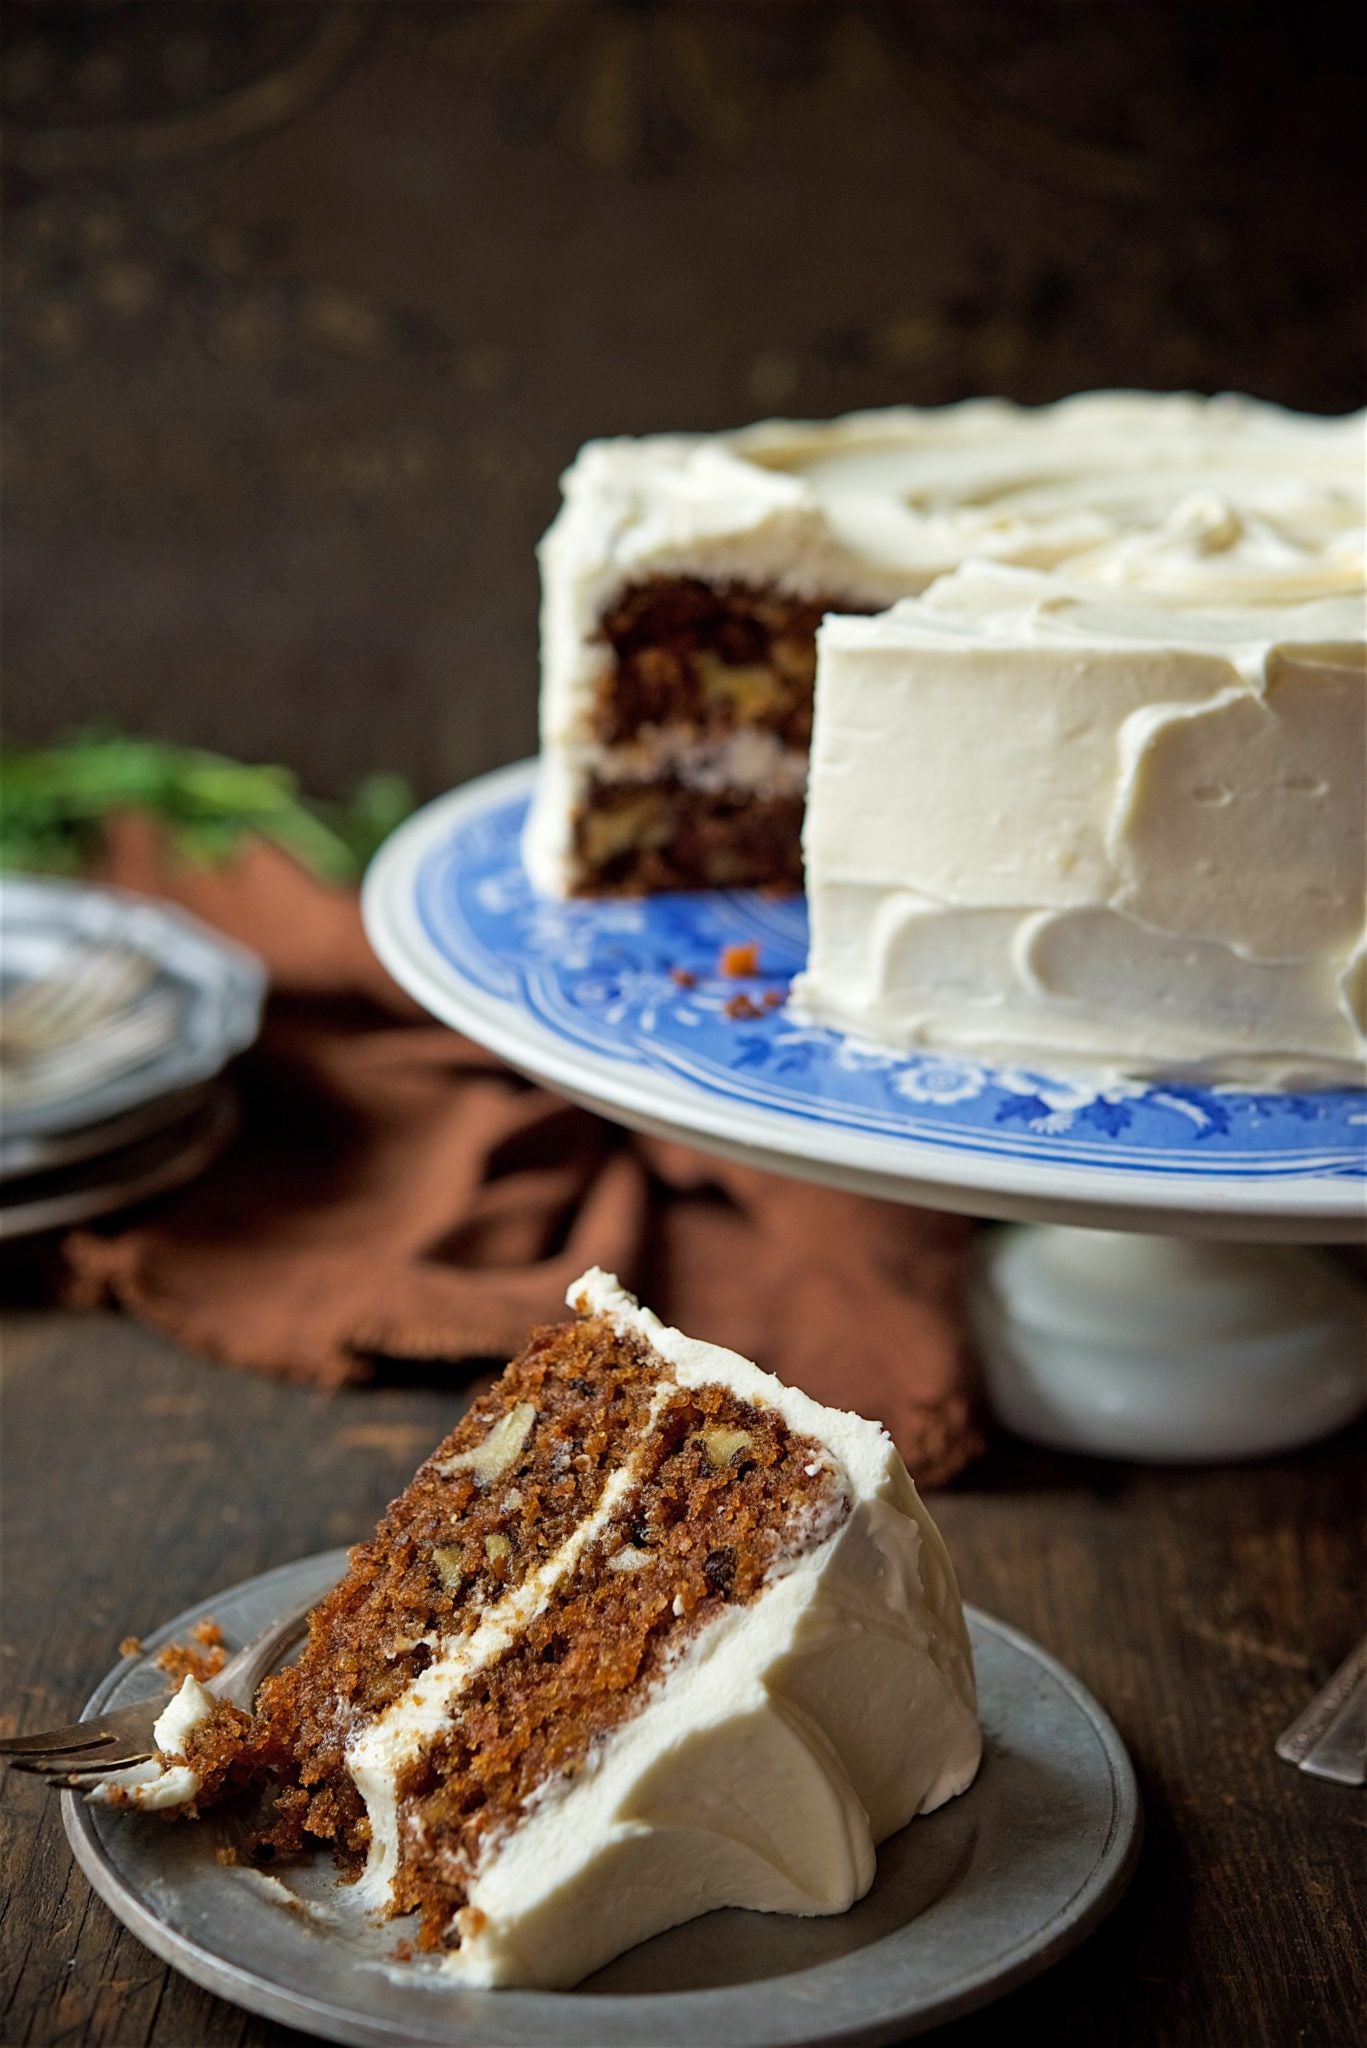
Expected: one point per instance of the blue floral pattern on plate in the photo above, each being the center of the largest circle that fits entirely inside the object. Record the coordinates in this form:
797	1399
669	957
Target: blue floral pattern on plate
637	981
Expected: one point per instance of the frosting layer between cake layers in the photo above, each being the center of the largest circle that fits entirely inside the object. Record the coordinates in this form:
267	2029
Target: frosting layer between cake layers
786	1739
1214	501
1071	826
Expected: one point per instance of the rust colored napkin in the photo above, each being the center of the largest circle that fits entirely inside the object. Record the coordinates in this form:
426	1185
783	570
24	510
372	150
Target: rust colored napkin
398	1192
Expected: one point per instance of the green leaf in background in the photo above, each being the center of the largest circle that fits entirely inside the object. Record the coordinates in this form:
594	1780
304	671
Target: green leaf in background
54	800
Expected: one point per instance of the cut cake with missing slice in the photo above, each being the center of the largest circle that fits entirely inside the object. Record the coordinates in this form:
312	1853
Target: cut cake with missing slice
650	1633
685	575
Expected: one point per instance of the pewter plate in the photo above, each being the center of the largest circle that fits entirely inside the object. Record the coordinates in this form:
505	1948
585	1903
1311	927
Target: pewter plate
20	1157
967	1903
152	1165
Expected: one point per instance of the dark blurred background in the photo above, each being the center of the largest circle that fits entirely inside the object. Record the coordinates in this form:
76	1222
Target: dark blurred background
306	305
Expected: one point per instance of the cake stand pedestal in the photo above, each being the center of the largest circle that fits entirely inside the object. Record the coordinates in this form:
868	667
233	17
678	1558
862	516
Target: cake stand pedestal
1159	1304
1166	1348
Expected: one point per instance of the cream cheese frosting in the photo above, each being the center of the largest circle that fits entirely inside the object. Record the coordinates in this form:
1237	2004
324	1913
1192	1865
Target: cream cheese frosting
1063	823
784	1742
165	1780
1224	501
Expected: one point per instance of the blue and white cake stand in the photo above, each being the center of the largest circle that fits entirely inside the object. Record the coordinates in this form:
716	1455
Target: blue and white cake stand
1150	1317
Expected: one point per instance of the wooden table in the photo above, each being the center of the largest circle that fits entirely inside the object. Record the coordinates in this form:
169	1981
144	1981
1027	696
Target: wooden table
1202	1607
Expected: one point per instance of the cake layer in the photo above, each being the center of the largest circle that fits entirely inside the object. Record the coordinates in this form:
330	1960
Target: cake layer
683	576
708	658
720	1492
642	836
490	1513
1060	825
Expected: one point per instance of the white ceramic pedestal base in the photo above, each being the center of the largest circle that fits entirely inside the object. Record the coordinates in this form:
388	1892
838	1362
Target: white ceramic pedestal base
1167	1349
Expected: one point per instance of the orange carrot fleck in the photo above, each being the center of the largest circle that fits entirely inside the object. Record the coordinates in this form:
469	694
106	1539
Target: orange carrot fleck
739	961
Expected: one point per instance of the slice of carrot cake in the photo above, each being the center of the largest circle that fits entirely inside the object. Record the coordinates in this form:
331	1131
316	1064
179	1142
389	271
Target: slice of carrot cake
650	1633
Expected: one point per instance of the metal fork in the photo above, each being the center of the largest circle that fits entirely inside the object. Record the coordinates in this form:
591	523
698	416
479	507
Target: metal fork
89	984
87	1751
1329	1738
103	1050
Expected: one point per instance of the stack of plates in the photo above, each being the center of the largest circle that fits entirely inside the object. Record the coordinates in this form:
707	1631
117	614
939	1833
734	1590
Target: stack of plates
117	1018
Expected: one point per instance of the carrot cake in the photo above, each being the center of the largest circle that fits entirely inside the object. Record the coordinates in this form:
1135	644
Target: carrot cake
650	1633
685	576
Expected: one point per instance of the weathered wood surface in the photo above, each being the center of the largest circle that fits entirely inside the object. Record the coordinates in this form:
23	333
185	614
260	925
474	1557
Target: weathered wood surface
1201	1607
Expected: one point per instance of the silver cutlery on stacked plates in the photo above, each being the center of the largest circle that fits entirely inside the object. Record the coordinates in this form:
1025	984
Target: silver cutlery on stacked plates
118	1015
